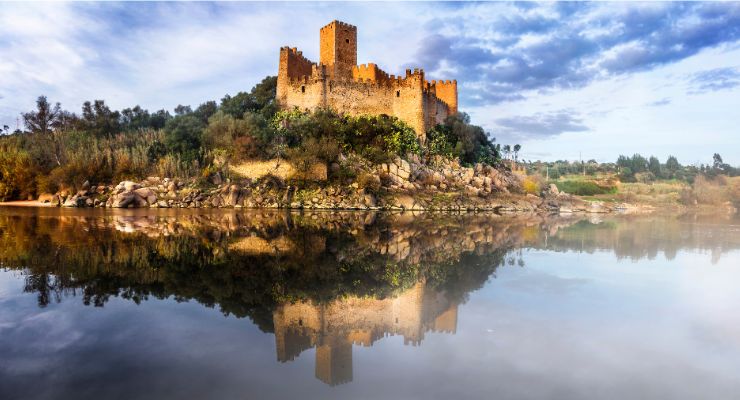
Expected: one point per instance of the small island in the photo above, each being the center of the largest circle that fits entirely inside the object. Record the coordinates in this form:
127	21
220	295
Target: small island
326	135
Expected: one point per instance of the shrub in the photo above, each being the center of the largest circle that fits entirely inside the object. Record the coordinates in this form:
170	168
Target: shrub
710	191
584	188
531	185
16	175
183	135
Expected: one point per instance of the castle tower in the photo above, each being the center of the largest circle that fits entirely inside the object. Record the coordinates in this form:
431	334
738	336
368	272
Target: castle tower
447	92
338	49
334	362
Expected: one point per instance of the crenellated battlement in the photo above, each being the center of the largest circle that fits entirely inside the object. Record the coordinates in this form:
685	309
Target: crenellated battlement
337	81
339	24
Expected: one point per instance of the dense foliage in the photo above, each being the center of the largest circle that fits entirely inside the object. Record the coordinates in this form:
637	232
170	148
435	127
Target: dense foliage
61	149
457	138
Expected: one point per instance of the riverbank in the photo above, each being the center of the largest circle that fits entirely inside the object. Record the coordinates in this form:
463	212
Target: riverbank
333	199
399	185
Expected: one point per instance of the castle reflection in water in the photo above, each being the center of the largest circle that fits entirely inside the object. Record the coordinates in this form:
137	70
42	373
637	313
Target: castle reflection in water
335	327
323	281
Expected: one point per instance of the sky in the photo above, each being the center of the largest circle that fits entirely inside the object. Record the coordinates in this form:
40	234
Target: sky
564	80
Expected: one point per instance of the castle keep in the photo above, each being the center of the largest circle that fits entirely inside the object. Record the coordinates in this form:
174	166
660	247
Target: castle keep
337	82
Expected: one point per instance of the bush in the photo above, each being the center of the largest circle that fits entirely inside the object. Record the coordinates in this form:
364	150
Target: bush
531	185
183	135
457	138
16	175
710	191
584	188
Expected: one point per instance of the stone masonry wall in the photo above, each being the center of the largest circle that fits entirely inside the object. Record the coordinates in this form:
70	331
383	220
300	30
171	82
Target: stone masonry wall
337	82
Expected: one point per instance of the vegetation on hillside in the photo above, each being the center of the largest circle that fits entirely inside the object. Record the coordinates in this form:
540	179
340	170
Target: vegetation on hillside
60	149
640	179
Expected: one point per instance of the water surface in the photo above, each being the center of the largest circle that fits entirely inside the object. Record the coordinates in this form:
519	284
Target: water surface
174	304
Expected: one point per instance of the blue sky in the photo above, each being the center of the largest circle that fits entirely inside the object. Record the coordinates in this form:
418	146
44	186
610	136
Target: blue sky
562	79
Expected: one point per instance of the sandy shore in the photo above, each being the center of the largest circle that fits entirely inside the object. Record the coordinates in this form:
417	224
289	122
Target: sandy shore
24	203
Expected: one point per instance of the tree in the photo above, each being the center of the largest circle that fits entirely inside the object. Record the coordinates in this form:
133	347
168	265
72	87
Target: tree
99	120
469	143
260	99
183	110
639	163
236	106
158	119
517	147
672	166
717	163
654	167
134	118
183	135
206	110
43	118
6	129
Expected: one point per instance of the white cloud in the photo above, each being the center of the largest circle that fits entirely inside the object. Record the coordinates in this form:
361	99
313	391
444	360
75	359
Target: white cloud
160	55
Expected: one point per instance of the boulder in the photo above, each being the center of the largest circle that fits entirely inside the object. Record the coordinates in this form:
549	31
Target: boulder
77	201
404	201
70	202
140	202
122	200
147	194
127	186
404	174
232	195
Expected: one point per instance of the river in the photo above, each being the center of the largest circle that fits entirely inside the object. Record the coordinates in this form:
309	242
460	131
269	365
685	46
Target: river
181	304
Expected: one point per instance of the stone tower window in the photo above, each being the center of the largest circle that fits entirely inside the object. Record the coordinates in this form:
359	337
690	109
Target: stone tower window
303	89
346	40
398	93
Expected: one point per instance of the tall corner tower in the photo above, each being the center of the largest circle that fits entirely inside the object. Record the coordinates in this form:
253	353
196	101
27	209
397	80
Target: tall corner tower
339	49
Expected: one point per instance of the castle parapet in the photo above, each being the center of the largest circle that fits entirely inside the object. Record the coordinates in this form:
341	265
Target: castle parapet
338	82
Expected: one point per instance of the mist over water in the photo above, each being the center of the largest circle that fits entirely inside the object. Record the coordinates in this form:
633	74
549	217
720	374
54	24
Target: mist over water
223	304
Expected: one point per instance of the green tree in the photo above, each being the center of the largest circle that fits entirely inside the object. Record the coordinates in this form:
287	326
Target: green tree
183	135
654	167
99	120
183	110
672	167
43	118
206	110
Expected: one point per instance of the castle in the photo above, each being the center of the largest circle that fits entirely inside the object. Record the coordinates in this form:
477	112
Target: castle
337	82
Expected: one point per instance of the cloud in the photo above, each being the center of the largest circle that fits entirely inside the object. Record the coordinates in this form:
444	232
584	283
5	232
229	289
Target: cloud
714	79
540	125
662	102
502	53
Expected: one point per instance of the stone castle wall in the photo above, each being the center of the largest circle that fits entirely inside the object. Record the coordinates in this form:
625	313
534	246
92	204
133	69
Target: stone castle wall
333	328
338	83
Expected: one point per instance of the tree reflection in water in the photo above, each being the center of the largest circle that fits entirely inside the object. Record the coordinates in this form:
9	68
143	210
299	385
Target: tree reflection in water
316	280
